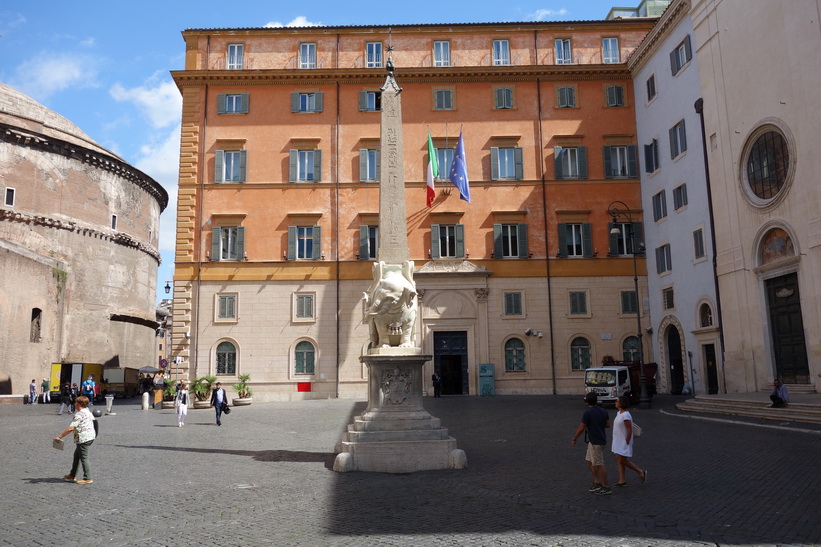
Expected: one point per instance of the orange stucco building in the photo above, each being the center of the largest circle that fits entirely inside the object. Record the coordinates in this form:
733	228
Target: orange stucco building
278	202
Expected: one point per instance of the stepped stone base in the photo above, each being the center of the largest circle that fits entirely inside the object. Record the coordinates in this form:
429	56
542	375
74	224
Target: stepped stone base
395	434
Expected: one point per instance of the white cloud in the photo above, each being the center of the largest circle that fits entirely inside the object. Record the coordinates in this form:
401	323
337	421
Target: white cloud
159	102
49	73
542	14
88	43
300	21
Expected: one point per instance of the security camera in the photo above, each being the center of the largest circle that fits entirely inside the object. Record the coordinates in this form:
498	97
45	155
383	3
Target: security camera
528	332
649	330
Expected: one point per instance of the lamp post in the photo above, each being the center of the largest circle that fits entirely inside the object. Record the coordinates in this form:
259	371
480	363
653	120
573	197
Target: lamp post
615	213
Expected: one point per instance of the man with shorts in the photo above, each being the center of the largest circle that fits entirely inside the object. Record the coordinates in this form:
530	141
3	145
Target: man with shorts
595	420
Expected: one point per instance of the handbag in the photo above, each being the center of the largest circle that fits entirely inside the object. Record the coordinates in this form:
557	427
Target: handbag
636	430
225	408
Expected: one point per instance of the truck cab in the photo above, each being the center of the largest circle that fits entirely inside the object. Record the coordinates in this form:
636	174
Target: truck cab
609	383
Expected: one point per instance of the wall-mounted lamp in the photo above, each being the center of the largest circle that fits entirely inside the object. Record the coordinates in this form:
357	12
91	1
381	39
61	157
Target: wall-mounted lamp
167	287
188	334
534	332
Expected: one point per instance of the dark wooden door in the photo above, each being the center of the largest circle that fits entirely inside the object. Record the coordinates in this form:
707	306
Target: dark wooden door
450	359
787	329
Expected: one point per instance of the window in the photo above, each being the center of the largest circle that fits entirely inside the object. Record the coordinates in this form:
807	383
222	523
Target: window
705	315
306	166
235	56
229	165
681	55
444	156
614	95
304	358
503	98
630	349
368	241
620	161
663	259
9	197
443	99
610	50
564	55
306	102
680	196
370	101
678	140
304	242
506	163
660	205
373	55
570	163
651	156
514	355
629	303
513	304
36	325
767	164
650	85
566	97
369	164
227	243
578	302
580	355
232	103
668	298
621	243
575	240
698	244
501	52
441	53
307	55
510	241
226	306
303	306
447	240
113	222
226	358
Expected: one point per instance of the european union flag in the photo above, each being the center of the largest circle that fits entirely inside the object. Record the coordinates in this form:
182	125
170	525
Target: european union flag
459	170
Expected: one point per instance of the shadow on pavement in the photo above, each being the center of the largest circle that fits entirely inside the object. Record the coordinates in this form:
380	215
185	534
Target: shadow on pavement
257	455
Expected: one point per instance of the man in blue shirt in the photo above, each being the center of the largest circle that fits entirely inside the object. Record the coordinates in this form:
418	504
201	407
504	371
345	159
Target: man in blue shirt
595	420
218	399
88	389
779	396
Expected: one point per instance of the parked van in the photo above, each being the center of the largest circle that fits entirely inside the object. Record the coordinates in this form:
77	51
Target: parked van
616	378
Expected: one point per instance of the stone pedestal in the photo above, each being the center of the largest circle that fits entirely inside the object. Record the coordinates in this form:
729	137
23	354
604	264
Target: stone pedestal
396	434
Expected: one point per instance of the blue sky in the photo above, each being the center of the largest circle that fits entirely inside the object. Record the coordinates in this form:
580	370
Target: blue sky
105	65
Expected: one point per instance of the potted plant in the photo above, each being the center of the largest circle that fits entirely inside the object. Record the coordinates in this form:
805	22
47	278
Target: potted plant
243	390
169	391
201	388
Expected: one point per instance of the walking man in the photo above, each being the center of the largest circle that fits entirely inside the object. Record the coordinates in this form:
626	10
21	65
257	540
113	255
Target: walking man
218	400
32	391
45	386
595	420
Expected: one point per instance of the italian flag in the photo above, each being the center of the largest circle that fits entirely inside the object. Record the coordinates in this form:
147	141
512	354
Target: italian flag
433	171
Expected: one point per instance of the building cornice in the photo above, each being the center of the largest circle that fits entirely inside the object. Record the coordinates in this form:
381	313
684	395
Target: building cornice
665	25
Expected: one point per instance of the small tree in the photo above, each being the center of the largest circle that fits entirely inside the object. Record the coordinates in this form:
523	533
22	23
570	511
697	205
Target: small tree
242	388
202	387
169	389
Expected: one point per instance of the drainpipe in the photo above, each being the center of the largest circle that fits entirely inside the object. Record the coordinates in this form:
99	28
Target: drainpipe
336	235
699	106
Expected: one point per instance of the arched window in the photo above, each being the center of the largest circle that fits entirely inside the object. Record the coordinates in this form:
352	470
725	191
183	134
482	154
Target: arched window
226	358
304	358
705	315
580	354
514	355
630	348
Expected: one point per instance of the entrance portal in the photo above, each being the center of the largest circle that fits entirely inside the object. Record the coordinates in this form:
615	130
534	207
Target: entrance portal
710	363
787	329
674	358
450	360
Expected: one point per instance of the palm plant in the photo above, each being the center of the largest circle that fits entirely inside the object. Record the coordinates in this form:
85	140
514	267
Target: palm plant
242	388
202	387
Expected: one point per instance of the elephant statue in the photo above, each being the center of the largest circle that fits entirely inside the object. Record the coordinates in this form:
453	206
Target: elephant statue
390	305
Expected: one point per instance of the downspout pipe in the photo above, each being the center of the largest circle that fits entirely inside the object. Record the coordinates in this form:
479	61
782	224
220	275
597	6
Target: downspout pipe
335	155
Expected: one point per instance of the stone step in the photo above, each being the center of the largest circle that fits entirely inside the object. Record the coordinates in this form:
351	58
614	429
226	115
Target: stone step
394	425
397	436
791	388
797	412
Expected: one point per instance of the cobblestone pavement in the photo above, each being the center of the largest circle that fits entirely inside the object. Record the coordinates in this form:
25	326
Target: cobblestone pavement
265	478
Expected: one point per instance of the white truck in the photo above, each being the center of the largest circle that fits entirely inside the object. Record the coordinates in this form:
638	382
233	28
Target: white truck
617	378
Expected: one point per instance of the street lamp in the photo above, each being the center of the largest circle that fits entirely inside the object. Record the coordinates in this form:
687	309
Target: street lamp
167	287
615	213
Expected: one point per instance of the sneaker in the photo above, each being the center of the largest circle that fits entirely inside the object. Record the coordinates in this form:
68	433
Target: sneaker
595	488
603	491
85	481
69	478
644	477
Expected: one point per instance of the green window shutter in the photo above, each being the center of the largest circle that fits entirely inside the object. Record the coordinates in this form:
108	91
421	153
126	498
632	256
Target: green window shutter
587	240
614	240
378	169
243	162
219	160
620	96
318	101
648	158
581	156
460	241
240	242
498	247
216	243
608	163
363	242
292	165
632	160
557	163
363	164
494	163
638	237
522	233
571	97
500	100
672	135
673	61
221	103
363	100
519	163
317	165
245	99
562	232
563	103
291	243
688	50
683	136
295	102
434	241
317	243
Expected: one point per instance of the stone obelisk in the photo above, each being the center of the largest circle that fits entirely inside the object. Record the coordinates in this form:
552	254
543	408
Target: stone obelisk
395	434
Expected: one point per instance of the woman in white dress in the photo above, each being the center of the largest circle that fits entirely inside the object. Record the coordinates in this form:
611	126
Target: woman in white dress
181	402
623	441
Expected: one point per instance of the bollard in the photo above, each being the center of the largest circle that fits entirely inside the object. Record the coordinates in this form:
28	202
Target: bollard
109	402
145	400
